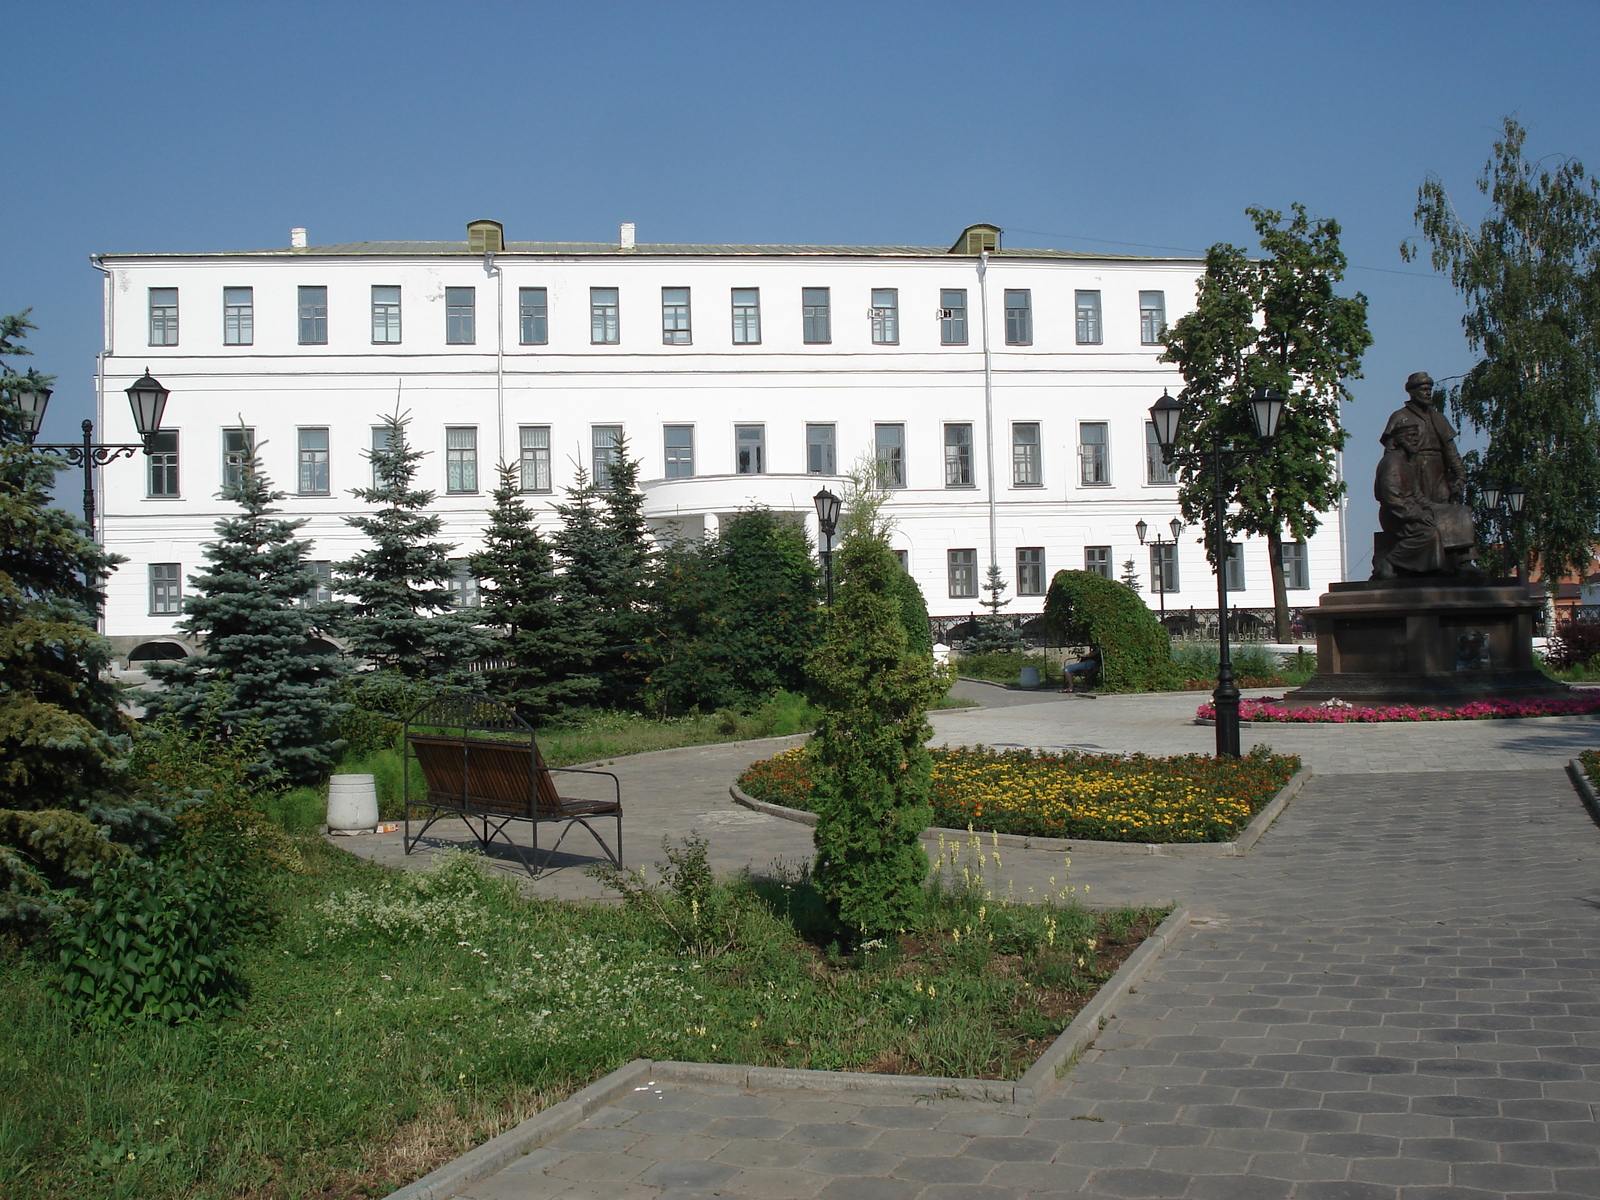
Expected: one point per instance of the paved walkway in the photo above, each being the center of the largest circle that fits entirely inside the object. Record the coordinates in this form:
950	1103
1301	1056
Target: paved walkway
1393	997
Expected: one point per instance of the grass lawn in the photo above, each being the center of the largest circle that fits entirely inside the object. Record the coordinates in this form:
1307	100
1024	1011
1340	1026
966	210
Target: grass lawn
394	1020
1099	797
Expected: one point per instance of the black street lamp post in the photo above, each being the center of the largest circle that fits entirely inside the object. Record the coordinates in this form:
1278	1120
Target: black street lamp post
1177	528
827	523
147	398
1266	406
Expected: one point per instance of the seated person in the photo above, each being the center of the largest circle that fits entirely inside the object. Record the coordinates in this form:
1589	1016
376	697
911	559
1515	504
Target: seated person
1088	665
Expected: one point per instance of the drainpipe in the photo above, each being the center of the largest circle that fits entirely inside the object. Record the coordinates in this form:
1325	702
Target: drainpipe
988	400
106	346
494	272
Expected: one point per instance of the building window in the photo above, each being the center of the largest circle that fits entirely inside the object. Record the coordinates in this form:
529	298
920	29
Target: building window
606	452
461	458
889	444
1296	566
746	316
679	451
314	462
237	447
675	316
820	456
816	316
463	585
163	316
460	316
1019	317
885	316
238	316
1152	317
904	557
533	314
958	456
1027	468
1030	570
1156	466
384	439
1098	560
321	590
534	443
313	315
163	460
953	317
750	449
1164	569
166	589
1235	571
963	574
1088	308
605	327
1092	456
386	316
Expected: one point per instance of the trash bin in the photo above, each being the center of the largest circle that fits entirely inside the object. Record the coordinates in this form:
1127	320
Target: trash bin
1029	677
352	803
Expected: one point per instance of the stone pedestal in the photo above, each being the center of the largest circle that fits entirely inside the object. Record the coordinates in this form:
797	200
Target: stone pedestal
1425	641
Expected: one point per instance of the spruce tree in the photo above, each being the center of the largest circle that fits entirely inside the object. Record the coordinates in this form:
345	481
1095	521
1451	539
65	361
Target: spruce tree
61	725
872	769
769	603
401	616
622	663
994	635
256	670
689	667
547	648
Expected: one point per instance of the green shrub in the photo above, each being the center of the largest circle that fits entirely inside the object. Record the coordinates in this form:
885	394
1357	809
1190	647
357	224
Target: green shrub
698	914
1083	608
1006	668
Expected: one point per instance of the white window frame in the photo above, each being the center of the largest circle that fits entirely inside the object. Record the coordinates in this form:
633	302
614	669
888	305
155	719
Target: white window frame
533	458
746	316
234	457
385	332
1094	458
461	319
605	452
1098	560
677	323
163	463
885	316
677	457
890	455
163	316
533	316
958	471
1088	317
1019	316
460	460
1027	458
238	318
1032	579
605	316
818	448
1151	328
311	460
166	589
742	465
962	573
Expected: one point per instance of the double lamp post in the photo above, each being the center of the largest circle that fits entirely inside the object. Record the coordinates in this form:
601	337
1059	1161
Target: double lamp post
1266	406
148	400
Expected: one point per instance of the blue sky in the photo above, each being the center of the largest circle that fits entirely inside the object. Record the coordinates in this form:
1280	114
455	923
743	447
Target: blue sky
1081	126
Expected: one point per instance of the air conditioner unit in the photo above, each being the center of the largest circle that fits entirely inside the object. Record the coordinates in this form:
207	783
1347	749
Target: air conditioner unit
947	314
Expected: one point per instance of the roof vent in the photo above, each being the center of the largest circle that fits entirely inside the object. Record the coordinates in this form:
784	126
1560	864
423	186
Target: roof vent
486	236
625	236
975	239
297	238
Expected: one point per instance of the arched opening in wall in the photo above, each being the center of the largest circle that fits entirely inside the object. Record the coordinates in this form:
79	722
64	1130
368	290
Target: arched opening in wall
156	652
1034	633
960	633
319	646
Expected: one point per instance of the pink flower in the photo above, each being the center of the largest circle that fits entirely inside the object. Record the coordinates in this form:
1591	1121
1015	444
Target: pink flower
1267	709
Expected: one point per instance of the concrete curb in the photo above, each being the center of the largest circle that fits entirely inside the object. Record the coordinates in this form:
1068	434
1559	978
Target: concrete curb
1586	792
538	1129
1036	1083
1259	824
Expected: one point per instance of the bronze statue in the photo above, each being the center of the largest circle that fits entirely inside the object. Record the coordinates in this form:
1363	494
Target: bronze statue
1419	488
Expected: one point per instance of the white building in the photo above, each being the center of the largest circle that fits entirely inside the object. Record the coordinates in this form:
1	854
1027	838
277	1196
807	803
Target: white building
1006	390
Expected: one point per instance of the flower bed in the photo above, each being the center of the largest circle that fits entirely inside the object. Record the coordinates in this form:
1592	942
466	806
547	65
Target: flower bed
1268	709
1095	797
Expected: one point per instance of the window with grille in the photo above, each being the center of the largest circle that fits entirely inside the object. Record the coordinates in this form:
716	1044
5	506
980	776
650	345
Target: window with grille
163	463
461	458
1088	310
746	316
605	326
1152	318
1093	457
750	449
460	316
166	589
679	441
820	456
163	316
313	450
958	455
386	315
817	316
963	569
606	452
889	446
238	445
675	316
1030	570
533	315
313	316
321	590
463	585
885	316
1156	462
238	316
1027	467
1019	317
953	317
534	444
1296	566
1098	560
1164	569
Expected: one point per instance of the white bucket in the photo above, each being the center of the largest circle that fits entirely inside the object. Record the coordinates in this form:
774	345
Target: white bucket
352	803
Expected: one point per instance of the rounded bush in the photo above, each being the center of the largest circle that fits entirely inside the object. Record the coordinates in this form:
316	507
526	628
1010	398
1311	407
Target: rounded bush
1083	608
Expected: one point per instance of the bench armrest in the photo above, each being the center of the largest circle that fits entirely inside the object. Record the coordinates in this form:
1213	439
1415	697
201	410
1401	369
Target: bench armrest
616	784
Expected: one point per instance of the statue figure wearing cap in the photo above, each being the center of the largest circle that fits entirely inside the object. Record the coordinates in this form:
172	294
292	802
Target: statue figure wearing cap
1419	487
